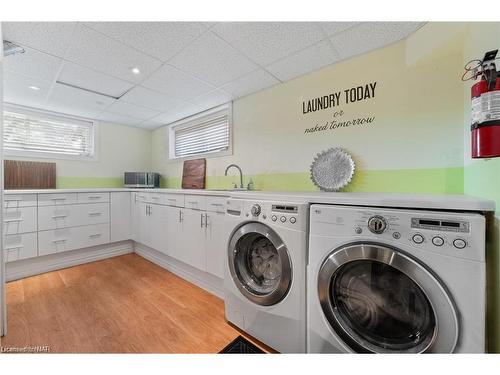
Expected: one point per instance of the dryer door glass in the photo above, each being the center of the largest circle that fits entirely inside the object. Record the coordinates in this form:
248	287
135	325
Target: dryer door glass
378	299
260	264
382	306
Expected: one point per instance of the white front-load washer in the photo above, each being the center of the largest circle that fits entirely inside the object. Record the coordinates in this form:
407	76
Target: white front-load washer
265	278
384	280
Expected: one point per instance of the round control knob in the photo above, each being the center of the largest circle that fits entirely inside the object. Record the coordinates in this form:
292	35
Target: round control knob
274	218
459	243
293	220
377	224
282	219
358	230
438	241
418	238
255	210
396	235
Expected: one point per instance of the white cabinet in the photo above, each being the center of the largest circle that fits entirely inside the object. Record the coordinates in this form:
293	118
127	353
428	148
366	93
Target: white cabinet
157	219
65	239
121	216
174	231
93	197
217	236
19	220
56	199
20	246
52	217
192	242
19	200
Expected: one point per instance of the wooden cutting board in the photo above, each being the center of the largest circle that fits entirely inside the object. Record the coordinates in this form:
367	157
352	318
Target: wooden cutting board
193	174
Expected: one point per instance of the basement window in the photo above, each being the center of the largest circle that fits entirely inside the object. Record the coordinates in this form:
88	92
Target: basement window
33	133
205	134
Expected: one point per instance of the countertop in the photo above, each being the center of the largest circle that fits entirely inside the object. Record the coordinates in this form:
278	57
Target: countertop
422	201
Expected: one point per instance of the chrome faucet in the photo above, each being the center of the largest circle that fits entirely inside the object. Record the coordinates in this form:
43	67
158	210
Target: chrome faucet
239	169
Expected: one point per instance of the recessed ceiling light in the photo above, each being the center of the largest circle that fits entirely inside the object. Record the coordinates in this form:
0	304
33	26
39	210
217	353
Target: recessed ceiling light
135	70
34	88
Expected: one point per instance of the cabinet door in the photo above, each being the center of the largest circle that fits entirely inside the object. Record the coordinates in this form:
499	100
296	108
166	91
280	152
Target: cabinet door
136	219
120	216
192	241
158	221
141	230
174	231
216	243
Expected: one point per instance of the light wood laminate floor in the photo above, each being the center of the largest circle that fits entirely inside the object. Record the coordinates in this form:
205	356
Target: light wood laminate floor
124	304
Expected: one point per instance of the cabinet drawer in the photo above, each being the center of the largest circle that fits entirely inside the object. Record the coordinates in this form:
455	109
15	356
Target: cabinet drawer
66	239
19	200
56	199
72	215
19	220
140	197
20	246
195	202
216	204
156	198
176	200
92	197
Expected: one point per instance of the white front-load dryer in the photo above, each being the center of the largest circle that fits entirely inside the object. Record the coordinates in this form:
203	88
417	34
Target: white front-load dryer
386	280
265	276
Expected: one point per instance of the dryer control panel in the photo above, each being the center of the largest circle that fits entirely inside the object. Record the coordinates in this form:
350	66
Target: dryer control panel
449	233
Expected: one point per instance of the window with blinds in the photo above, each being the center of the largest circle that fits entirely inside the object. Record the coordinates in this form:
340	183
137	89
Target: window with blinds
199	135
34	133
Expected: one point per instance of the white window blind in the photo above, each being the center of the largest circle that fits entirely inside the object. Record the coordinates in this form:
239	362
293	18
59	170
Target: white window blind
32	132
206	134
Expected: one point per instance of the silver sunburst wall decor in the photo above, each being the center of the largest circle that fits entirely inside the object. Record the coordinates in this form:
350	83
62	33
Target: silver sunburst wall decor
331	170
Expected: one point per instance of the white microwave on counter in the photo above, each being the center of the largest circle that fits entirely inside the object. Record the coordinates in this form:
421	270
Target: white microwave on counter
142	180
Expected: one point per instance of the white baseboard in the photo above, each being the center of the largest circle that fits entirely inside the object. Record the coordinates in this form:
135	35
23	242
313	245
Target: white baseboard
204	280
35	266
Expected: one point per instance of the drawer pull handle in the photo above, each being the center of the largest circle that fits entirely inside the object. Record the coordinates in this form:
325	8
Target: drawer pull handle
172	199
95	213
58	199
60	241
192	202
14	248
13	200
155	198
95	197
94	235
13	220
217	204
59	216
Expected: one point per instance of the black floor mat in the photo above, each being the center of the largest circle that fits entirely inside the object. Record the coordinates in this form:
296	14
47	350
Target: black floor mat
240	345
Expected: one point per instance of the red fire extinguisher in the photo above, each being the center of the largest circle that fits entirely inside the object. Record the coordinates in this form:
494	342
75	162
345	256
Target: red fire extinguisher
485	113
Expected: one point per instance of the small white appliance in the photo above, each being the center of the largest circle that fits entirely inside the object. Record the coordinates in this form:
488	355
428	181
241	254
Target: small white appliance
384	280
265	276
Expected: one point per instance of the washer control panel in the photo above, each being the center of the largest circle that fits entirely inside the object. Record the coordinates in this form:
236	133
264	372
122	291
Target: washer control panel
291	215
458	234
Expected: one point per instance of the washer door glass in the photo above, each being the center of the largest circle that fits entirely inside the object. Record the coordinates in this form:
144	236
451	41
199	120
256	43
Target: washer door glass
382	306
260	264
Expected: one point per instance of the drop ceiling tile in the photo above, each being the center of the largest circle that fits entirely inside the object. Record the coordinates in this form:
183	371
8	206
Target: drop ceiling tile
305	61
16	90
150	99
117	119
176	114
76	102
371	35
131	110
94	50
253	82
332	28
173	82
266	42
50	37
211	100
213	60
89	79
33	63
158	39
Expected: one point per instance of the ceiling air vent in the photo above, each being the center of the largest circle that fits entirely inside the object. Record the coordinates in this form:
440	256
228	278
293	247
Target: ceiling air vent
10	48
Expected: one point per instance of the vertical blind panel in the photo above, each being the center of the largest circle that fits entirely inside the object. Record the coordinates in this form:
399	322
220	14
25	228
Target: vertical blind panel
29	133
208	134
